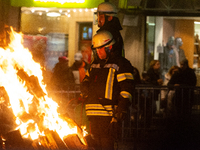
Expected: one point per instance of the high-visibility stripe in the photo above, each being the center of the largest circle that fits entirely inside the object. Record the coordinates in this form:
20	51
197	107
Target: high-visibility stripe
124	76
126	94
87	73
109	84
114	66
98	113
98	106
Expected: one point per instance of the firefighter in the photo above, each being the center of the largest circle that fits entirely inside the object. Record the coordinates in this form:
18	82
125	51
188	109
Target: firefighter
107	88
108	20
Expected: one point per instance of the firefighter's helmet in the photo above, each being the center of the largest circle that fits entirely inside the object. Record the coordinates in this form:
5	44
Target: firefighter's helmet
102	39
107	8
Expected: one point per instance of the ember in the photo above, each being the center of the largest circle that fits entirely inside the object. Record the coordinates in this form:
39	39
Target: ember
31	115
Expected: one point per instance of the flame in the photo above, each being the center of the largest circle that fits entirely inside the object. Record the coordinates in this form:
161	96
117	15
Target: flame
34	111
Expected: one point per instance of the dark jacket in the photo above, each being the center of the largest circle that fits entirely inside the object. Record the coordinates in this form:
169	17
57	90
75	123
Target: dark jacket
108	83
62	77
185	77
153	76
114	28
184	94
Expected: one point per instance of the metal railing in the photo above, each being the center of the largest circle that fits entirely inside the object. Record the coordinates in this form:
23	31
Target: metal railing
148	112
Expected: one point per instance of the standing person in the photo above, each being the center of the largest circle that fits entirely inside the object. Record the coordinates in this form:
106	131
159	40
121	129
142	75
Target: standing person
166	95
79	68
155	79
108	20
62	78
108	88
154	73
183	96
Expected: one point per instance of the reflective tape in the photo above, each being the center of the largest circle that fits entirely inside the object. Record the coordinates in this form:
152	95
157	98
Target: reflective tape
124	76
126	94
98	106
114	66
109	84
98	113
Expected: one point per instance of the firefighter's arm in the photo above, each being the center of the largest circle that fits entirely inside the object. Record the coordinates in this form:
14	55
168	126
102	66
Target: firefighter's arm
85	85
126	81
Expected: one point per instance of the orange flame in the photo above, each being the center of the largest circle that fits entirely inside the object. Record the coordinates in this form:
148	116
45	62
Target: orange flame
34	114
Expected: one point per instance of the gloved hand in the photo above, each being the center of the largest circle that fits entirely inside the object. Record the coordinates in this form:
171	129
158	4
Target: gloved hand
114	128
121	115
83	96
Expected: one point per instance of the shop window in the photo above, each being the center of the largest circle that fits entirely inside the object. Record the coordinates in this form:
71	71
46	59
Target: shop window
160	28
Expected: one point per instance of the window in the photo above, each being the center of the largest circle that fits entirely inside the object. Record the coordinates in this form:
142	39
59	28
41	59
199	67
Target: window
85	31
160	28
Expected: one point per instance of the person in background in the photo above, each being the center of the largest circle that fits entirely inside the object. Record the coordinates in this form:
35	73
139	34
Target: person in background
107	88
185	79
155	80
79	68
62	78
154	73
166	95
108	20
77	104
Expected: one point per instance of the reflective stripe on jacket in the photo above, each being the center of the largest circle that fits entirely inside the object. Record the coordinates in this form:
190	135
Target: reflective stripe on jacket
107	83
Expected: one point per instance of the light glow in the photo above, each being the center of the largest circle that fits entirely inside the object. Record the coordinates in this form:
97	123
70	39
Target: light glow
61	1
53	14
196	22
22	79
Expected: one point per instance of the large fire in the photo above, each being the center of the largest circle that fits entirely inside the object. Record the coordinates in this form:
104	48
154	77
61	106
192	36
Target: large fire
22	80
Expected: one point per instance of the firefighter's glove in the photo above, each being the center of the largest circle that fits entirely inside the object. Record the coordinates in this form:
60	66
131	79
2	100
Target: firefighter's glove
121	115
114	128
83	96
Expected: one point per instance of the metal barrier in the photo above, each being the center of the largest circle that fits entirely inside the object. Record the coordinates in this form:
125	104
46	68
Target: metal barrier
149	112
146	112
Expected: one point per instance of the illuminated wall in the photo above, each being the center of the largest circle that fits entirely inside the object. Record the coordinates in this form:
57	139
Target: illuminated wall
57	3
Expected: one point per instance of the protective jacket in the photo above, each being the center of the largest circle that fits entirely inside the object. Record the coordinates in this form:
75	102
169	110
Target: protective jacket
108	84
114	28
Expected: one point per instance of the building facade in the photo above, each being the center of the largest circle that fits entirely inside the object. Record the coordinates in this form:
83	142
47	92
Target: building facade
147	25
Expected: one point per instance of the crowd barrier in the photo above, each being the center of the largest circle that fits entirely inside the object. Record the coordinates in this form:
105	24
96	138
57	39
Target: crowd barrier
148	110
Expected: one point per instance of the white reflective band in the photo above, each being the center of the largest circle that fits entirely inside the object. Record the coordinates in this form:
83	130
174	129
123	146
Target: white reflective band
87	73
98	113
114	66
109	84
124	76
125	94
95	66
98	106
